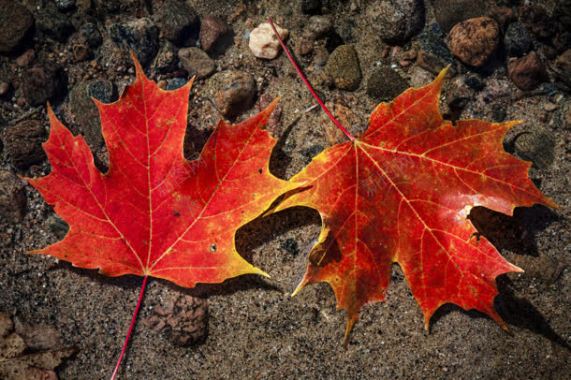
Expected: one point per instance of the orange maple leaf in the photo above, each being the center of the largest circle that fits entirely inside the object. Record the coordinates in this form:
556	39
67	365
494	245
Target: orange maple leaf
402	194
154	213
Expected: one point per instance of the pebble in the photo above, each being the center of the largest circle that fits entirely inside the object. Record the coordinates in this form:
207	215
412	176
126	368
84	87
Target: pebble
473	41
91	34
517	40
400	20
385	84
344	68
25	58
178	21
264	43
4	88
526	72
311	7
432	41
65	5
15	22
319	26
84	111
450	12
166	59
23	144
53	23
537	146
215	35
140	35
537	21
236	92
40	84
562	68
196	62
12	197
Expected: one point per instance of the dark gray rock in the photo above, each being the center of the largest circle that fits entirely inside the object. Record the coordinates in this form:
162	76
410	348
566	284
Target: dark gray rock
41	83
178	21
12	198
400	20
385	84
53	23
85	112
196	62
91	34
236	92
432	40
23	144
65	5
344	68
140	35
517	40
450	12
215	35
15	21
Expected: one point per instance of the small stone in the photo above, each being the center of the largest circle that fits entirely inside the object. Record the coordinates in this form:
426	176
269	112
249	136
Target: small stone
537	146
562	68
236	92
400	20
517	40
91	34
15	21
537	21
178	21
526	72
85	112
450	12
311	7
65	5
385	84
304	45
264	43
319	26
215	35
53	23
473	41
430	62
4	88
40	84
140	35
12	198
432	42
166	59
344	68
26	58
23	144
196	62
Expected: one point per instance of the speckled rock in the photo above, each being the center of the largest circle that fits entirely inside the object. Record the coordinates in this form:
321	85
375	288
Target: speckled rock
41	83
385	84
535	145
166	59
215	35
344	68
177	21
264	43
517	40
85	112
196	62
140	35
473	41
236	92
23	144
400	20
12	197
15	21
450	12
526	72
319	26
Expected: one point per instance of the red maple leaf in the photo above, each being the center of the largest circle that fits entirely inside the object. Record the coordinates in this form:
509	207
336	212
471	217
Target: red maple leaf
402	194
154	213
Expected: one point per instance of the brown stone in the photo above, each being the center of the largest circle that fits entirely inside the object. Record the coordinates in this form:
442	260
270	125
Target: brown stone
473	41
526	72
213	34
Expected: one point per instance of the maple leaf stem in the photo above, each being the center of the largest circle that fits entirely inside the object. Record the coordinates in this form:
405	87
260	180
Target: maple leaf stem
131	327
308	84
